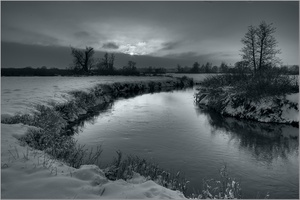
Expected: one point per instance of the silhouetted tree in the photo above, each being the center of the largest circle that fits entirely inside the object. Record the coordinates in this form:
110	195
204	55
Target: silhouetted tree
202	68
160	70
214	69
179	68
130	69
249	51
266	44
260	47
111	62
195	68
224	68
186	69
106	64
83	59
294	69
150	69
208	67
241	67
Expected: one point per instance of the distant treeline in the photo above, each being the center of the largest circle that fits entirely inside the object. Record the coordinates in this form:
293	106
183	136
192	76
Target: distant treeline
29	71
44	71
239	67
132	70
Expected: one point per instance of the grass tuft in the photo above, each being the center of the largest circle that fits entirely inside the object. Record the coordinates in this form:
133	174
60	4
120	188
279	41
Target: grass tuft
124	168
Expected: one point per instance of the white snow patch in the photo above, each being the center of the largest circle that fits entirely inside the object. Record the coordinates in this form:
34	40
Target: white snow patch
21	94
28	173
289	114
294	98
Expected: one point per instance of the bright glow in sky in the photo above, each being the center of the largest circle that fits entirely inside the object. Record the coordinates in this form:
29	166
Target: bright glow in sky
195	31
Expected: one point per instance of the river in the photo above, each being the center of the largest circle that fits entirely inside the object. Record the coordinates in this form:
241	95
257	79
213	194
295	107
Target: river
167	128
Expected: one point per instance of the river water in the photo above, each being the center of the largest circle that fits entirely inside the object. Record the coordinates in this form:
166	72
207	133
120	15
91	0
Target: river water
169	129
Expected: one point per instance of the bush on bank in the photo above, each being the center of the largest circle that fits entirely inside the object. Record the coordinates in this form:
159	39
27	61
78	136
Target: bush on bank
254	86
261	98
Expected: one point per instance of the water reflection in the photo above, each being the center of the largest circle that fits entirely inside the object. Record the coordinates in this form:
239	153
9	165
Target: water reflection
90	118
264	141
165	129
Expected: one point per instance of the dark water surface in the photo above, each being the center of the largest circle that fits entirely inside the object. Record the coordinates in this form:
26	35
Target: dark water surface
170	130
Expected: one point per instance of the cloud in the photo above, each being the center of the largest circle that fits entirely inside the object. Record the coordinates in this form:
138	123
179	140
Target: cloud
110	45
170	45
23	36
82	34
184	55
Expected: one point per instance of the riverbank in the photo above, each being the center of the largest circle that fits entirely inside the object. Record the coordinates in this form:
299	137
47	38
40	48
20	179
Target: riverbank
76	104
30	173
270	109
37	151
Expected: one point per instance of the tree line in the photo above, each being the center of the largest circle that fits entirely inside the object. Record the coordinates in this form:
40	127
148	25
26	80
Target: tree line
85	63
258	58
204	68
238	67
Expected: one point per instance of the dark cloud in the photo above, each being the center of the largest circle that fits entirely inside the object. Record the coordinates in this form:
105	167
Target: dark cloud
60	57
13	34
22	55
201	27
170	45
110	45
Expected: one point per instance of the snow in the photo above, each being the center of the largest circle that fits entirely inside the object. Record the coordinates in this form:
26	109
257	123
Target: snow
293	97
278	109
28	173
281	114
21	94
289	114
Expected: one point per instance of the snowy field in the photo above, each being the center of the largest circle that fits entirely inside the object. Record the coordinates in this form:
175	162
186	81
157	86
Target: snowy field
28	173
21	94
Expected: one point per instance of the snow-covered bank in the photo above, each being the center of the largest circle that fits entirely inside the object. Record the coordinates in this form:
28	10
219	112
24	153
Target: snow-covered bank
22	94
75	104
274	109
31	174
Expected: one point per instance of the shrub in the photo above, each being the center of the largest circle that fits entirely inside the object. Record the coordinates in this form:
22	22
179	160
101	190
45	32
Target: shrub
61	147
225	188
123	169
268	86
254	86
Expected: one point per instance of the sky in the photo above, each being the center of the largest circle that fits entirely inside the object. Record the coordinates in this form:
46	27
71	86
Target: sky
158	34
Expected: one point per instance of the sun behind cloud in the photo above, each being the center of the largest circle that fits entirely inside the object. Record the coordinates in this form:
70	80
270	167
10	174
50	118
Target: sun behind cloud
140	47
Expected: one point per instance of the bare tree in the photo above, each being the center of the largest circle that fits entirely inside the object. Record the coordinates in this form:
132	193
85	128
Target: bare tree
131	65
260	46
250	49
196	67
267	44
105	62
83	59
208	67
111	62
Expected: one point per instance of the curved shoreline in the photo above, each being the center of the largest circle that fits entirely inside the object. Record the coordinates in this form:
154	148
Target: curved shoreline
46	130
83	102
272	109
